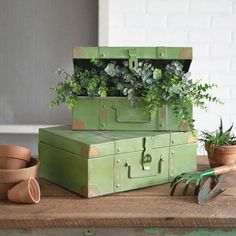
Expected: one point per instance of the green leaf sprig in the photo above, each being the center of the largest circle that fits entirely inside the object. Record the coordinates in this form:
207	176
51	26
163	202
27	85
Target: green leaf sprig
170	85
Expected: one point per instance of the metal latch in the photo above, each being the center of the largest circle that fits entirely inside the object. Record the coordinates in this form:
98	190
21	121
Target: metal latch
146	156
161	52
133	60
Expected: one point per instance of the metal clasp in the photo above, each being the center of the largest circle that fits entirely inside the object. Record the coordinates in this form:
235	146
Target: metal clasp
146	160
146	156
133	60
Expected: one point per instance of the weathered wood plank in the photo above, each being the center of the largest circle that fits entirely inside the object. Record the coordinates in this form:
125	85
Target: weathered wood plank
148	207
128	211
119	232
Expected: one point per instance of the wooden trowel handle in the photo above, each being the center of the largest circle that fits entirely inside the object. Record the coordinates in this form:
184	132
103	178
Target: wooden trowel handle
224	169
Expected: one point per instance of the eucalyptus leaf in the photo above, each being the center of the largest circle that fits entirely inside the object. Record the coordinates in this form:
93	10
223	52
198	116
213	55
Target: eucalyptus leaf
157	74
158	86
110	69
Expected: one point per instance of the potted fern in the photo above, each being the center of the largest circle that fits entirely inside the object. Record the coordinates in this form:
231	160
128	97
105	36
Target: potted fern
220	146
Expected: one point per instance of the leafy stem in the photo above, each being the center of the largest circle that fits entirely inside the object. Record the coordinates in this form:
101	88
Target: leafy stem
158	86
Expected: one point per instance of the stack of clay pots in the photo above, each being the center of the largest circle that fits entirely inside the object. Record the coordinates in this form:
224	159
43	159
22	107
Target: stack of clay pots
18	170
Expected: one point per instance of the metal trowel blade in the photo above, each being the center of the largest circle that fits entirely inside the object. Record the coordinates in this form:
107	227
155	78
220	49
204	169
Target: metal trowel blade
210	189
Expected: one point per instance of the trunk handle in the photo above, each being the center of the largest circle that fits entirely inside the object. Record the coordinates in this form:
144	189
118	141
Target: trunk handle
116	108
147	172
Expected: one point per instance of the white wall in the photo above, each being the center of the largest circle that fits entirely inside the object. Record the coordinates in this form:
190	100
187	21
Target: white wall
209	26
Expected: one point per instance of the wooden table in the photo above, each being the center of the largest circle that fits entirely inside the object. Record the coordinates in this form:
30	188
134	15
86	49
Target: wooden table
145	211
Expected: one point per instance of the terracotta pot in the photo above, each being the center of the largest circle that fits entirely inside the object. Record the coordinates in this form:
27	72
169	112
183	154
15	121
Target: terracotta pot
4	188
222	155
27	191
9	178
13	157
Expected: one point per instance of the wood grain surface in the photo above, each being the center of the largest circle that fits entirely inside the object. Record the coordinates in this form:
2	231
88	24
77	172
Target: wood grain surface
147	207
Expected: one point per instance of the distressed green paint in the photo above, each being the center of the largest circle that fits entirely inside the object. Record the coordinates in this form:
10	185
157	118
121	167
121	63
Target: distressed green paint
88	113
81	174
120	231
172	53
100	175
116	113
128	231
131	175
85	52
179	161
54	161
94	163
190	231
74	142
177	138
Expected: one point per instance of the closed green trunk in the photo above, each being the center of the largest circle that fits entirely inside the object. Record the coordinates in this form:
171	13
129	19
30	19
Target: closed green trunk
95	163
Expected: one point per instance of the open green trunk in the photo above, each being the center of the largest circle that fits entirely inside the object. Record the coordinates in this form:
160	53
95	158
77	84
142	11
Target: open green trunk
116	113
94	163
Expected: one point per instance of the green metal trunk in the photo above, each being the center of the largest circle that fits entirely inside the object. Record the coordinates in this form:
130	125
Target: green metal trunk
95	163
116	113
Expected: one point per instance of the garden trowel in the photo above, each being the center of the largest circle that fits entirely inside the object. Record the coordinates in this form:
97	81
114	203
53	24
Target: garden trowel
210	189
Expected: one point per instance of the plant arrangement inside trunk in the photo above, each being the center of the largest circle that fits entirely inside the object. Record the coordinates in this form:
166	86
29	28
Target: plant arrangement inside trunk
220	146
158	86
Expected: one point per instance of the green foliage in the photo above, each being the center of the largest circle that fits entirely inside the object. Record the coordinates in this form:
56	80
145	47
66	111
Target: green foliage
219	137
157	86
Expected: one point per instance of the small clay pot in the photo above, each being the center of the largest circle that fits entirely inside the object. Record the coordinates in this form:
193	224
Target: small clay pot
222	155
27	191
13	157
9	178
